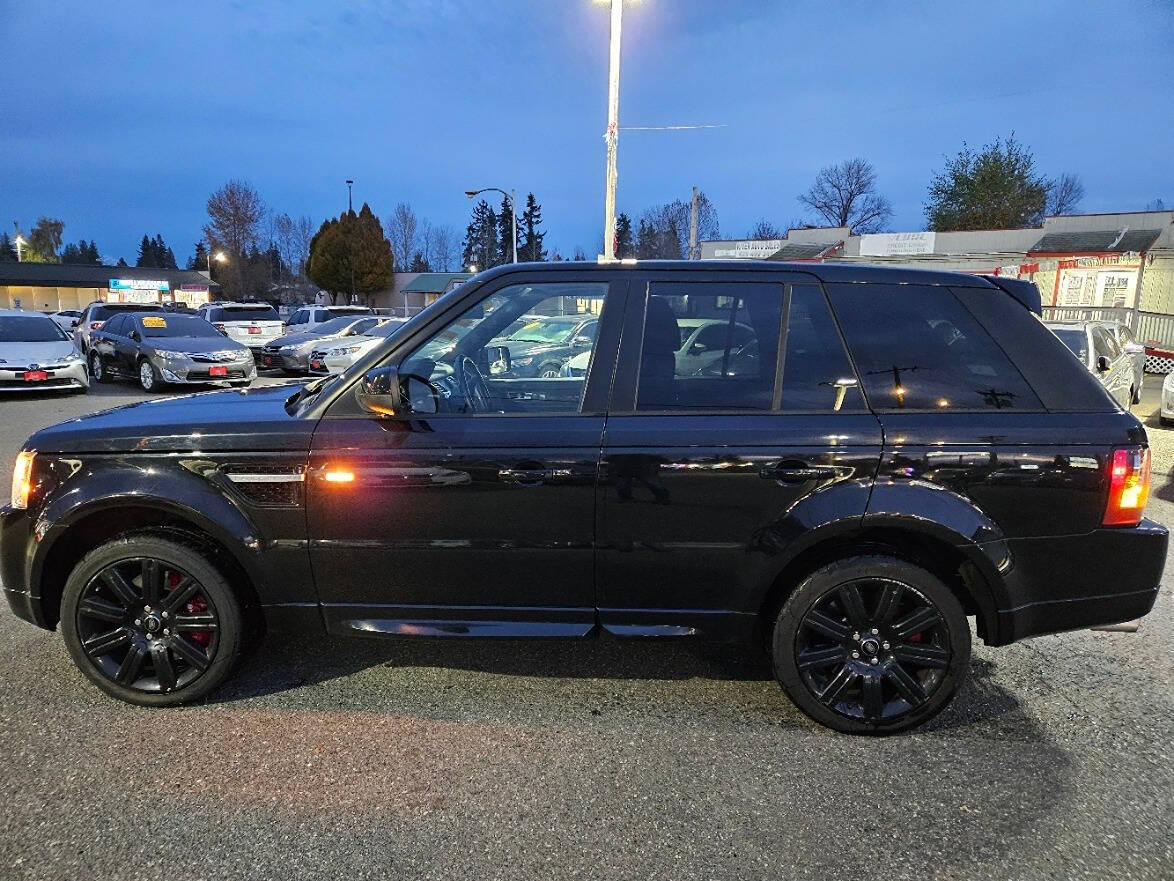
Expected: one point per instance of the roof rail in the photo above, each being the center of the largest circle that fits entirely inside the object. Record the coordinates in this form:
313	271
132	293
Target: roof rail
1024	291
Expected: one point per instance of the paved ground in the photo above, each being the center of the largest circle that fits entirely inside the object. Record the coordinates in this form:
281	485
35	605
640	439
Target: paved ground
374	760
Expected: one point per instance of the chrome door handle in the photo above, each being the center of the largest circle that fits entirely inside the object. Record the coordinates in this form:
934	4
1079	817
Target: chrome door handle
798	473
523	476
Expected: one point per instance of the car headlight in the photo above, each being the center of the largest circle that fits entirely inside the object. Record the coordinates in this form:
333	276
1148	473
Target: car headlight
169	356
523	362
288	350
242	355
344	350
74	357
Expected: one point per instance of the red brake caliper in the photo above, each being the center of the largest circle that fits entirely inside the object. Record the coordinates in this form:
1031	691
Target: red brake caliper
195	606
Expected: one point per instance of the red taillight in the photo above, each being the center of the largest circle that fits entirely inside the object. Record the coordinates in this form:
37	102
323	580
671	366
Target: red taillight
1129	486
94	325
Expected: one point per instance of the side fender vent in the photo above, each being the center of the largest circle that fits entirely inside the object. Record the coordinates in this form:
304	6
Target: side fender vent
268	486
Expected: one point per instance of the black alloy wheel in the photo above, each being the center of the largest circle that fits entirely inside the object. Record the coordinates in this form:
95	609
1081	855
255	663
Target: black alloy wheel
871	645
151	621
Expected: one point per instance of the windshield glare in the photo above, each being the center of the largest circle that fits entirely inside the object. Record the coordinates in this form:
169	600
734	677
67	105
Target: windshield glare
33	329
543	330
176	326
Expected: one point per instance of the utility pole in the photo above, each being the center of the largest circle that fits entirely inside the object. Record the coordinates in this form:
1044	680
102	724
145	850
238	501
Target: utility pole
693	252
613	131
350	207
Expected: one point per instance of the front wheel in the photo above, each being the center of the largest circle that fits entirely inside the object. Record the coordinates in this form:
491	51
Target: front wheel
549	371
97	369
871	645
151	621
148	378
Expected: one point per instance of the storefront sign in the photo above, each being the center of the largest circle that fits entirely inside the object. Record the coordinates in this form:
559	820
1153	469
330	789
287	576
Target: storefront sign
895	244
756	249
139	284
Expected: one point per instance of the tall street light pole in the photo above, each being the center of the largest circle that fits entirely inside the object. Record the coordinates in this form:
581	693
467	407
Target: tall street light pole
513	211
613	131
350	207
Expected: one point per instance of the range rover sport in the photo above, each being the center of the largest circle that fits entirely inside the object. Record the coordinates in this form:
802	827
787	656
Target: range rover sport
870	457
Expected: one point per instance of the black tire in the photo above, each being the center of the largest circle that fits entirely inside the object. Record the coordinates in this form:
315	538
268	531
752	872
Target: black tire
98	373
549	371
1164	422
149	380
89	605
828	619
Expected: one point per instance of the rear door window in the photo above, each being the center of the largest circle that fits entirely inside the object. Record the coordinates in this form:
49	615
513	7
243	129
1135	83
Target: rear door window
918	348
116	326
816	372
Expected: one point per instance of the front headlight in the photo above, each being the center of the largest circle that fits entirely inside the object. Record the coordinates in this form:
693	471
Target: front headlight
22	479
345	350
242	355
75	357
288	350
523	362
169	356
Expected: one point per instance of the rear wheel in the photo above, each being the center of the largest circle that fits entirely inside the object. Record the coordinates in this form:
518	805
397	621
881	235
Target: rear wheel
151	621
549	371
871	645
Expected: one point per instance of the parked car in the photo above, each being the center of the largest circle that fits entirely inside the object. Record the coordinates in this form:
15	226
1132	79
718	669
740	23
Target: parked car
1166	413
254	324
96	314
1096	347
1128	343
67	319
36	354
336	355
542	345
308	317
168	349
291	352
703	340
921	449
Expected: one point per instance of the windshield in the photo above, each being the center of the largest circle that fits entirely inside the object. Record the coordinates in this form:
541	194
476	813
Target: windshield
542	330
176	325
335	325
1075	339
33	329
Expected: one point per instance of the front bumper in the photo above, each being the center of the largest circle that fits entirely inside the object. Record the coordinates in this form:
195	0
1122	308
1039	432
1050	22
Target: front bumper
16	553
70	375
270	359
184	371
1074	582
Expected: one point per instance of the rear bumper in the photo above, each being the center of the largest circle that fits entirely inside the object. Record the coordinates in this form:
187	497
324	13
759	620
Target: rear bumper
1060	583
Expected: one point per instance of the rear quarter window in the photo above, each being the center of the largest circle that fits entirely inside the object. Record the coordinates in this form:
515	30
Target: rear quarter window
918	348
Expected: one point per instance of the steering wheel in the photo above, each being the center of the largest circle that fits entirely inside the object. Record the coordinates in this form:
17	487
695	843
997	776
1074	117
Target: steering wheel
472	384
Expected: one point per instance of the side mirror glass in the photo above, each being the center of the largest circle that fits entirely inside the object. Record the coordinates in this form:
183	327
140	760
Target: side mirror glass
1104	364
583	341
382	391
499	360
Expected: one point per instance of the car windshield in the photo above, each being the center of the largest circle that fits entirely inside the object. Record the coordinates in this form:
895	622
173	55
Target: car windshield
335	325
1075	339
176	325
31	329
542	330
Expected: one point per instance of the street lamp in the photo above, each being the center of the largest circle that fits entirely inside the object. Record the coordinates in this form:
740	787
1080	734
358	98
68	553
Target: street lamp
613	129
513	212
219	257
18	241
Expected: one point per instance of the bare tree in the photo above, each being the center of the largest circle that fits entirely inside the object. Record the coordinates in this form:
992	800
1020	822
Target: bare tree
292	238
442	249
402	230
1155	205
845	195
764	229
235	214
666	229
1064	194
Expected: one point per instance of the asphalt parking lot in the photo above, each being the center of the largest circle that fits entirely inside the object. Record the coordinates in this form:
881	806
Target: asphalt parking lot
356	759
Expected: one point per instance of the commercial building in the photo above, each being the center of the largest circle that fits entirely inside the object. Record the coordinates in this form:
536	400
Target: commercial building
1117	266
51	287
412	291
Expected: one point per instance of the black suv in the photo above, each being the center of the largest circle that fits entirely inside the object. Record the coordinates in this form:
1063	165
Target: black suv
898	451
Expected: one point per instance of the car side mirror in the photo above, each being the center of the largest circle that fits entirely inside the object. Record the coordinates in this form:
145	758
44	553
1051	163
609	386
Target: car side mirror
1134	349
499	360
583	341
136	336
381	391
1104	364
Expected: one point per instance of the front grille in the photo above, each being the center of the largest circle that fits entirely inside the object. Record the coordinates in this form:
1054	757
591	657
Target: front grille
212	357
51	382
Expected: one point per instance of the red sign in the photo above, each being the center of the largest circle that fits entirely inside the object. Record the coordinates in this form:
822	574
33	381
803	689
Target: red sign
218	371
35	376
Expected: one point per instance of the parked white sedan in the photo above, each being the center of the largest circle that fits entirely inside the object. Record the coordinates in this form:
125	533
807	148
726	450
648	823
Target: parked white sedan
337	355
1166	414
36	354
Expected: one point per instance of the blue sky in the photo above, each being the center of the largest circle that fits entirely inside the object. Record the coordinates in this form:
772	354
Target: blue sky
122	118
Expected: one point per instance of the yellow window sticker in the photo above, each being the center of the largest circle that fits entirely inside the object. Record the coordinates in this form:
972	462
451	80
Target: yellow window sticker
154	321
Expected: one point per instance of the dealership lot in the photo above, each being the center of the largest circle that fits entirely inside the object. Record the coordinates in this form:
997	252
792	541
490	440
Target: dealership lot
478	760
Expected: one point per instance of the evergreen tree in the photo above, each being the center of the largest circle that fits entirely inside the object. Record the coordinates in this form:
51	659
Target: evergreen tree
480	245
7	250
530	239
419	263
646	241
91	254
351	251
199	260
121	261
624	246
146	253
505	240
